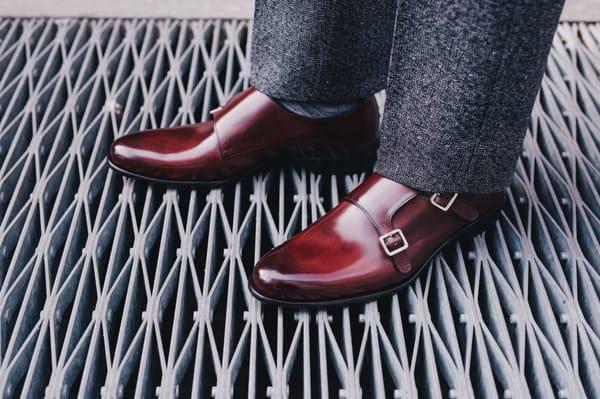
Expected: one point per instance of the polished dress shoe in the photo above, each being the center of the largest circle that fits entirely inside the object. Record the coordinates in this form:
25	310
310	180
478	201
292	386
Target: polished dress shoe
373	243
250	133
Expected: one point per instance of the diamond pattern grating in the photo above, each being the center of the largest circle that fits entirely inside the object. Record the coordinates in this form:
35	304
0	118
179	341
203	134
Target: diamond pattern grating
114	288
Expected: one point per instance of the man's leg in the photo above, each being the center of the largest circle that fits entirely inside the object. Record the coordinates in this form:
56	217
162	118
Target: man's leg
462	81
321	51
315	65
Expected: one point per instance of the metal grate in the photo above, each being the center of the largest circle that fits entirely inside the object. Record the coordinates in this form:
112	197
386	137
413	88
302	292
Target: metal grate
114	288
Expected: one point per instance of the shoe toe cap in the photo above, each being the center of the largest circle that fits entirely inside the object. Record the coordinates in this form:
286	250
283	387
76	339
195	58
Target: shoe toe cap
147	153
122	152
281	278
268	281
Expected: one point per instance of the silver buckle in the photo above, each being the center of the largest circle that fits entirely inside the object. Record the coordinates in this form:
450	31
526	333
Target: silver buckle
433	201
390	234
216	110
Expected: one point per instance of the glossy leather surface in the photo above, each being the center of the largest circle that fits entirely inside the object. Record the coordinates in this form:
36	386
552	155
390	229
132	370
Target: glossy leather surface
250	132
340	256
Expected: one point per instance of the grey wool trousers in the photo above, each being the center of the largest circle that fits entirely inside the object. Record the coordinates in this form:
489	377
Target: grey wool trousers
460	76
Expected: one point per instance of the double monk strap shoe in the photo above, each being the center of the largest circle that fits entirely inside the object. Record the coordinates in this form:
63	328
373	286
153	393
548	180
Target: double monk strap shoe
250	133
373	243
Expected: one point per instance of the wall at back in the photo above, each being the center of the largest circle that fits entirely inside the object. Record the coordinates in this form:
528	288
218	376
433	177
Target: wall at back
575	10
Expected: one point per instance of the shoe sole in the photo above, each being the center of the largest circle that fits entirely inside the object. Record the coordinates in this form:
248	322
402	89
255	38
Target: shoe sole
471	230
358	163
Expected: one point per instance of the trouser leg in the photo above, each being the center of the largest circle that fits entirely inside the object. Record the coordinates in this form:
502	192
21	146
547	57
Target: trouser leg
321	50
462	80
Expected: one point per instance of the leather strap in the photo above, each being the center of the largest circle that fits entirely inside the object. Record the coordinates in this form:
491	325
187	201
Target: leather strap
401	261
380	209
465	210
460	207
220	111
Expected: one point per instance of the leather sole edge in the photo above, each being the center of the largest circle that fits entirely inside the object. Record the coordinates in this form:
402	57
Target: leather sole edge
359	163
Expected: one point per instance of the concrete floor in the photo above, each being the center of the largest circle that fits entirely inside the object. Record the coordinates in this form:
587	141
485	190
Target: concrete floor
575	10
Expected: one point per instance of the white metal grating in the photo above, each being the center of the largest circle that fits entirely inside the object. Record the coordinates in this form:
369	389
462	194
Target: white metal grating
115	288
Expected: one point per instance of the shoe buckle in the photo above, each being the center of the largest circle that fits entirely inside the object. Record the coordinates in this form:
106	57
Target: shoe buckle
434	200
393	251
216	110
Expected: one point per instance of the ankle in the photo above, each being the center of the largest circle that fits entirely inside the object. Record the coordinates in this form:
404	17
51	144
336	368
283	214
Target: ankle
318	110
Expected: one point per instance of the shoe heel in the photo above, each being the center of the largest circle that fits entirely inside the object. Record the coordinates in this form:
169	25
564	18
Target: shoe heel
482	225
359	163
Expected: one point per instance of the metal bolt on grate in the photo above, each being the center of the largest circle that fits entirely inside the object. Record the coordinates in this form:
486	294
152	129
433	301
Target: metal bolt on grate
114	288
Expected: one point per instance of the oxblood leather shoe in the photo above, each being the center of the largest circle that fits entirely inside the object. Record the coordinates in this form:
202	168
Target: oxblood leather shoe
373	243
250	133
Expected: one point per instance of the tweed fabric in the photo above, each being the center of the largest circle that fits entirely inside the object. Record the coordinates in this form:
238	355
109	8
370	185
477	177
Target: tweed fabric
321	50
461	82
